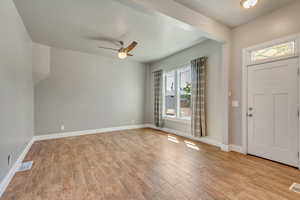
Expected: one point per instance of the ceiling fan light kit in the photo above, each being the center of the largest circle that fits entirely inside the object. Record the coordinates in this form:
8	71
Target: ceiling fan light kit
123	52
248	3
122	55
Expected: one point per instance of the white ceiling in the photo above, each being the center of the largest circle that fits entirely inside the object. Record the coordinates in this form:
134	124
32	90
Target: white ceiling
229	12
76	25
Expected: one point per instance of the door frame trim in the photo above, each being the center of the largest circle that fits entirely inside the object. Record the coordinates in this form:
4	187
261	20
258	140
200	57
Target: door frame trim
245	65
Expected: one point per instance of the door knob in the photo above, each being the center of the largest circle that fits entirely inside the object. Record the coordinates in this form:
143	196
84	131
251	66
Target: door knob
250	115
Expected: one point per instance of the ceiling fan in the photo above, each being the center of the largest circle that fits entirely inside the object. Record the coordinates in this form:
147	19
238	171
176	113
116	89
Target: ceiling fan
123	52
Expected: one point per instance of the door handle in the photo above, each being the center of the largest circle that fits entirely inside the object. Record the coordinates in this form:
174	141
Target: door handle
249	114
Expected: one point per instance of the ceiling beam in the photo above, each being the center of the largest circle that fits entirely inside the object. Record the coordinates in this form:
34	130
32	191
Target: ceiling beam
209	27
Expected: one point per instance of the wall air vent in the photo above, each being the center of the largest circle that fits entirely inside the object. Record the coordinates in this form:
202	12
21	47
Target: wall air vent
295	187
25	166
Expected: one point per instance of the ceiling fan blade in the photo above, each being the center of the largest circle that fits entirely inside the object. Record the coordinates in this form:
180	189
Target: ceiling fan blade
128	54
108	48
131	46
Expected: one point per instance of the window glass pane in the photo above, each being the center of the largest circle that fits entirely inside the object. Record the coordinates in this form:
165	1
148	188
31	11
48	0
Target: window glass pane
276	51
170	83
170	92
171	106
185	86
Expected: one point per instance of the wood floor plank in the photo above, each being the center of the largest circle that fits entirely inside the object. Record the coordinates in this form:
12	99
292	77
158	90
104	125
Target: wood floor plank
143	164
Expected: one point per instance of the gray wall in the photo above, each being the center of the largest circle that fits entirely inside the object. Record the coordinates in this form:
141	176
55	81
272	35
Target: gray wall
86	91
208	48
40	62
282	22
16	89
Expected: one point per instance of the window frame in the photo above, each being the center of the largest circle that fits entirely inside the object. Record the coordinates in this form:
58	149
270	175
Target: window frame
249	60
176	118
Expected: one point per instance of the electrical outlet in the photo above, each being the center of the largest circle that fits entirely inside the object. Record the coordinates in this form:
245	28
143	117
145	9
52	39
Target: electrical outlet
62	127
9	159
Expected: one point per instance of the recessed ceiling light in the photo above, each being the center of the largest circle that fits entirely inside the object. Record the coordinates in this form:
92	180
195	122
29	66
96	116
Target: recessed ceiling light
248	3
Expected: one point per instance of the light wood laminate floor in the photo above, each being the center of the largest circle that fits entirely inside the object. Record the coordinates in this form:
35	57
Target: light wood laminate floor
146	164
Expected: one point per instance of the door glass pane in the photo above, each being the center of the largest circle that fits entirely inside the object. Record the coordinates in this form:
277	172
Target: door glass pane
185	86
280	50
170	92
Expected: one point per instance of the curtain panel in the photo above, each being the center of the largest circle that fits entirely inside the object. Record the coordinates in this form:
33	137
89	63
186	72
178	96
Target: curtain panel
158	99
199	66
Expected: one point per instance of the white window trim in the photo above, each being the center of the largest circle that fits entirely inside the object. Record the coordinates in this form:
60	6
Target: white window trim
177	118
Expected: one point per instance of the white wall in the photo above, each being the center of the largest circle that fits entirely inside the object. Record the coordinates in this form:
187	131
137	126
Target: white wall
16	88
279	23
208	48
84	91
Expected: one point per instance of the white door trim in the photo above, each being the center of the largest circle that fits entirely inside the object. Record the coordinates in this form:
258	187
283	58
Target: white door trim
224	107
245	64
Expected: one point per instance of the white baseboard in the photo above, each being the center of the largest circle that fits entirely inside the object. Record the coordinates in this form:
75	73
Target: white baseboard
86	132
236	148
206	140
179	133
225	148
14	168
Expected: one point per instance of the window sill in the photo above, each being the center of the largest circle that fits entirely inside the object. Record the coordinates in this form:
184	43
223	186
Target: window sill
183	121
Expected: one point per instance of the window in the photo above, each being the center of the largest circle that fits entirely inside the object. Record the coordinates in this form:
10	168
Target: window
185	86
273	52
170	94
178	93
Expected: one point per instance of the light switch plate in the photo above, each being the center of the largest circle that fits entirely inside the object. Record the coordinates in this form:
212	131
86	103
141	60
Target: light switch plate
235	104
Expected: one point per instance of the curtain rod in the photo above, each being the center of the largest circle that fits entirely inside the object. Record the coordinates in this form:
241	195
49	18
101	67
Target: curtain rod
181	65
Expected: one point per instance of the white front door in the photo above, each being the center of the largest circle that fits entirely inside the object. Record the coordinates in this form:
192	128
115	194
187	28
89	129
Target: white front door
273	111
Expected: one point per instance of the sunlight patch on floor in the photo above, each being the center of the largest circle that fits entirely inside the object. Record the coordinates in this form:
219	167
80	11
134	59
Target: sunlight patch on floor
173	139
191	145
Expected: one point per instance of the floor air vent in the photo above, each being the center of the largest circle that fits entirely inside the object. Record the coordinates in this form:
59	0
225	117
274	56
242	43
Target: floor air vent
295	188
25	166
